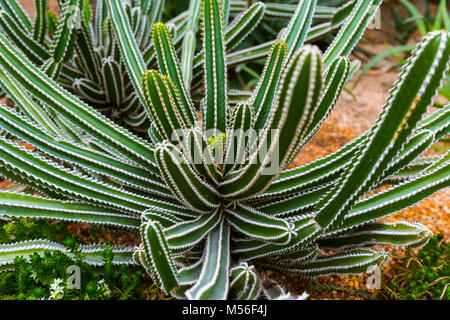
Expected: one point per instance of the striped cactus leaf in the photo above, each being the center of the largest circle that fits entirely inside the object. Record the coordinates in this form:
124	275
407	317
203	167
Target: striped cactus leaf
187	57
51	68
93	254
200	155
214	67
293	111
189	275
244	282
259	226
243	25
239	136
350	262
415	146
236	96
395	199
64	103
89	91
187	234
295	204
259	51
48	176
334	82
15	10
226	10
183	180
64	42
213	283
295	257
101	14
156	258
265	93
164	219
87	53
419	107
23	40
330	167
169	65
396	115
32	110
79	155
40	22
297	29
353	29
401	233
15	205
112	78
163	104
305	200
438	122
189	42
152	13
129	50
249	249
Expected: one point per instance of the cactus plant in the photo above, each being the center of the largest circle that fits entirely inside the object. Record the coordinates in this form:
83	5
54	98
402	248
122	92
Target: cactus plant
211	194
88	58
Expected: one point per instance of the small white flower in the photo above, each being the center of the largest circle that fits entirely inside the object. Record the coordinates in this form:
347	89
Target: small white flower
304	296
100	282
56	284
57	290
33	275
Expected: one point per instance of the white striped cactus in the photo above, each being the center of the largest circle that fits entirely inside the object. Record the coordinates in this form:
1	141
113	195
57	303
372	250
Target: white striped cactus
210	193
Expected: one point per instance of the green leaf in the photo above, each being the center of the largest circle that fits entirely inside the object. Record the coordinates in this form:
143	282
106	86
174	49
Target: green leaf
130	52
184	182
265	93
421	76
239	137
15	10
163	105
93	254
214	68
403	234
14	205
244	283
352	31
156	258
200	155
243	25
42	87
351	262
187	234
297	29
169	65
282	137
40	22
213	283
260	226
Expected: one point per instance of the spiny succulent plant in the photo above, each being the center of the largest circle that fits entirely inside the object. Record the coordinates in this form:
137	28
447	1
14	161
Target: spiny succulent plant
87	59
210	192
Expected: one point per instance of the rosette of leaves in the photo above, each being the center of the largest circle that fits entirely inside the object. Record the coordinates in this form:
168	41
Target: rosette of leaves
88	52
213	204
